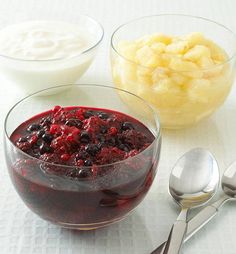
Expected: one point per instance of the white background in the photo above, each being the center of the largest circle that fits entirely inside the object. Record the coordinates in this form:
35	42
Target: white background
23	232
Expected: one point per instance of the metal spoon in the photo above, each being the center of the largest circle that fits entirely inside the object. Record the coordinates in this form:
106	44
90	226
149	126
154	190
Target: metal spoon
228	183
193	181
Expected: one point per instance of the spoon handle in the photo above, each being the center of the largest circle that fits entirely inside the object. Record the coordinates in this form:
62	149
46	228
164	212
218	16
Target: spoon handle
198	221
177	234
176	237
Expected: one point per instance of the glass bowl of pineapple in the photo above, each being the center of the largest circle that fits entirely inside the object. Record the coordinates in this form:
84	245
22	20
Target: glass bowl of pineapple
183	65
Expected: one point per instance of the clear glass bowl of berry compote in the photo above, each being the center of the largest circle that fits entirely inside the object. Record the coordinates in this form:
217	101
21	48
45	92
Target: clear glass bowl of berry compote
82	158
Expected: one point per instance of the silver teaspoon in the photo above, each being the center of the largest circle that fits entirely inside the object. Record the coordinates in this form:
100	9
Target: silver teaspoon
228	184
193	182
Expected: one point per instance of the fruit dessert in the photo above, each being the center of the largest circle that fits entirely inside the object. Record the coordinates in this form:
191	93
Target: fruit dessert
185	77
83	165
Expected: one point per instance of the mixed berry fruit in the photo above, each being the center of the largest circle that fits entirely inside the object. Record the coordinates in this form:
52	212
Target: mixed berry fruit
86	170
78	136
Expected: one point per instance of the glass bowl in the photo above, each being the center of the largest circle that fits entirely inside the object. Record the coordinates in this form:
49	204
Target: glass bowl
82	203
182	94
30	76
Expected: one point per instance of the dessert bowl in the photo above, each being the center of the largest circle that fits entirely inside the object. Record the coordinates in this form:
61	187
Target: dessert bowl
42	53
183	65
86	163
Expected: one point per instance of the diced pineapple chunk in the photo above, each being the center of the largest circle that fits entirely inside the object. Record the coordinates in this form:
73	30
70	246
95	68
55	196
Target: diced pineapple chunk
187	68
146	57
179	79
159	73
205	62
197	52
163	85
154	38
144	76
195	38
178	47
158	47
182	65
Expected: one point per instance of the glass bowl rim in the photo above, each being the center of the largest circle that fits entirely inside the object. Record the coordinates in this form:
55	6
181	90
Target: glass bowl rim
156	135
94	44
174	15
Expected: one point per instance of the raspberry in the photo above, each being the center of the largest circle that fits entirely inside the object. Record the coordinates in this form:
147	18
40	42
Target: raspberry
54	129
113	131
70	138
65	157
80	163
56	109
33	139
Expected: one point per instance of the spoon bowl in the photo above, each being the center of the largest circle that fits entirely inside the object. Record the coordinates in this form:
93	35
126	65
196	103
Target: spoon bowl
194	178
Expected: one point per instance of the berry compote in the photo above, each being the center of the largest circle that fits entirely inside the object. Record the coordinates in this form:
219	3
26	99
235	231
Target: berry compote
83	167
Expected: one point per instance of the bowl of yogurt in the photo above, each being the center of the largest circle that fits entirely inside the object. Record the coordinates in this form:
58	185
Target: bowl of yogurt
39	54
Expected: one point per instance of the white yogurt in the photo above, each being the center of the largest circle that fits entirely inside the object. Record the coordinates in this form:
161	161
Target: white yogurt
41	54
43	40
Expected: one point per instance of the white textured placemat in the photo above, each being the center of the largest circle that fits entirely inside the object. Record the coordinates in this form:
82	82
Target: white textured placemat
23	232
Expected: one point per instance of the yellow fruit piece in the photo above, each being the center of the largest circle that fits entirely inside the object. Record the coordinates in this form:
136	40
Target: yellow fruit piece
144	76
205	62
178	47
197	52
187	68
217	53
179	79
146	57
195	38
158	47
158	74
154	38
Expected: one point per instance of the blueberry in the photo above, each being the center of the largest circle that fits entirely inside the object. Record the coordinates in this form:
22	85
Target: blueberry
88	113
34	127
22	139
100	145
83	173
39	142
46	121
44	148
103	129
40	133
111	141
101	138
47	137
74	122
125	148
103	115
88	162
127	126
81	155
84	137
91	149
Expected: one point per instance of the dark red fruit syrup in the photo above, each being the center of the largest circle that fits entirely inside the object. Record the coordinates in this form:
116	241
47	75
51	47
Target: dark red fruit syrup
80	165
